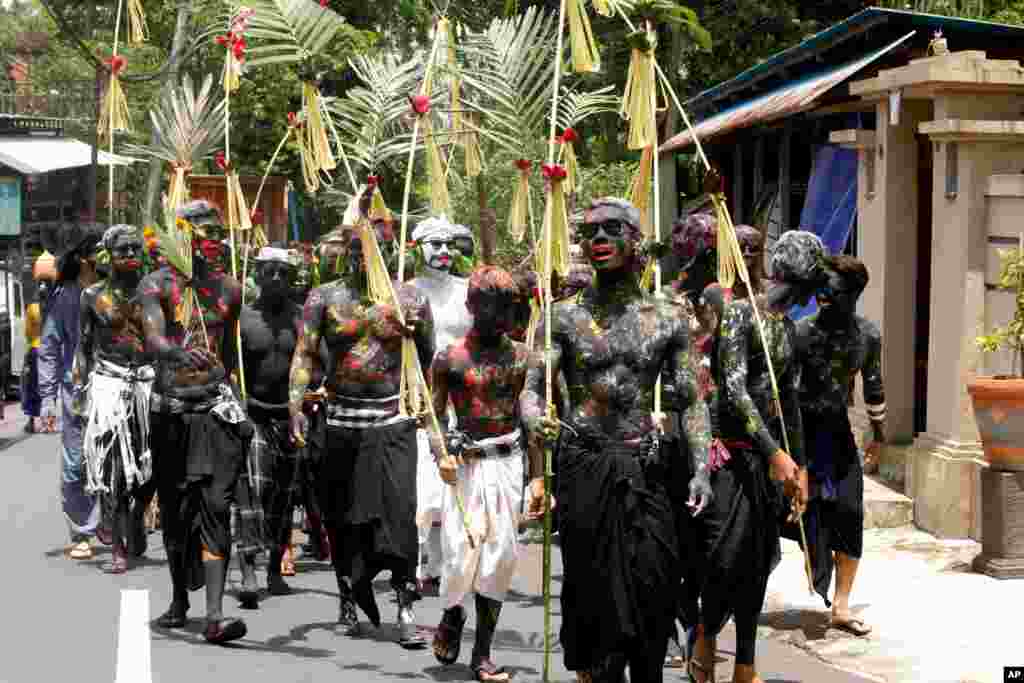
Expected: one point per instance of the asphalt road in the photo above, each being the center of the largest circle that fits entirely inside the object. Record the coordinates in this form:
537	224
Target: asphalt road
62	617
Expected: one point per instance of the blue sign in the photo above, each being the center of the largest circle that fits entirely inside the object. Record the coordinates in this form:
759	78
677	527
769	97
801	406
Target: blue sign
10	206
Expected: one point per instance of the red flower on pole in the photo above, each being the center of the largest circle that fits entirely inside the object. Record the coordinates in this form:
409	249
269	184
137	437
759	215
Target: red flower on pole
372	181
554	172
238	48
221	161
226	39
323	3
524	165
420	104
293	120
256	216
117	63
569	135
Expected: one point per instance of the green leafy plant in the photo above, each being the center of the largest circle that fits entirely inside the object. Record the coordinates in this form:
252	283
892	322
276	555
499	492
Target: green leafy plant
1011	336
188	125
289	31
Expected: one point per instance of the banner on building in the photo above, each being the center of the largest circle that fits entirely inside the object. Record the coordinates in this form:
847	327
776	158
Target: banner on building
10	206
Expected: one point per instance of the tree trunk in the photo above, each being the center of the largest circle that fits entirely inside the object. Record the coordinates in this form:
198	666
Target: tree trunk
171	77
488	222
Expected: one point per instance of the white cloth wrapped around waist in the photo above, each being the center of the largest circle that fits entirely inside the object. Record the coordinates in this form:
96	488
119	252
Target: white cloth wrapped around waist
492	490
352	412
118	405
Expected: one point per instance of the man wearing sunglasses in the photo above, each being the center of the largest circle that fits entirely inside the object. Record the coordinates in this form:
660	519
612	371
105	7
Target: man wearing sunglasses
610	343
836	344
438	243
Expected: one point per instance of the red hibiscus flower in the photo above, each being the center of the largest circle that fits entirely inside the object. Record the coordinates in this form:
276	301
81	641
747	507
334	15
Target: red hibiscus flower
226	39
221	161
117	63
323	3
238	48
524	165
554	172
420	104
568	136
372	181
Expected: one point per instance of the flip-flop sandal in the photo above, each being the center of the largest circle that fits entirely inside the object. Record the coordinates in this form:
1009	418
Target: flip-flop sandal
225	631
411	639
288	563
674	661
852	625
448	636
486	670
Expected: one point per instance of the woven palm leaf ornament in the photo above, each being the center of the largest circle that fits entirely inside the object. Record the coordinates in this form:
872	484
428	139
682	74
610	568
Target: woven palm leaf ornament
569	161
114	114
586	56
638	98
138	30
521	210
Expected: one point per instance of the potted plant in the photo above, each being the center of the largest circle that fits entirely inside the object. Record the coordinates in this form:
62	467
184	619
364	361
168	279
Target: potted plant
999	400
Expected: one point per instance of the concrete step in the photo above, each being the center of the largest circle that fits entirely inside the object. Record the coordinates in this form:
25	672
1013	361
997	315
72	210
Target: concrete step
885	508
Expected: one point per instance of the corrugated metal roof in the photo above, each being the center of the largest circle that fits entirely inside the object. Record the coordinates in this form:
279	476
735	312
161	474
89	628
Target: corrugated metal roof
868	16
785	100
36	154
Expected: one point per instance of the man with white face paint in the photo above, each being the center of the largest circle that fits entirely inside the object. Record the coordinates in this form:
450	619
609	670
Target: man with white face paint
440	243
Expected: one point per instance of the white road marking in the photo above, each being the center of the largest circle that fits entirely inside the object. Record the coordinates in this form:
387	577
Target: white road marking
133	655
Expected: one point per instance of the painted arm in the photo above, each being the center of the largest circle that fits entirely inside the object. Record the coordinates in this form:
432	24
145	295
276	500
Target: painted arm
734	349
229	341
533	401
305	361
447	466
420	317
874	389
789	395
693	413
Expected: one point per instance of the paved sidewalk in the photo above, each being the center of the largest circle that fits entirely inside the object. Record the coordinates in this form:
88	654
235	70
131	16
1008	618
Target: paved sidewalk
934	620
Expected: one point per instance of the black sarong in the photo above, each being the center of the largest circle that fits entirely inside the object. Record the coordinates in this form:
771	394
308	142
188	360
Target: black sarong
742	538
197	460
834	520
620	554
368	489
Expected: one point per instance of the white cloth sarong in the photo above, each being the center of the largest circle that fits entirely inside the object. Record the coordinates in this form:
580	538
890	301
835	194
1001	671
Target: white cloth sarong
492	490
118	406
429	486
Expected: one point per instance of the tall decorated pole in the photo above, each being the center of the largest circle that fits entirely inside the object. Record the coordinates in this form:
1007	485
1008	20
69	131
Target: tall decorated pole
114	114
548	247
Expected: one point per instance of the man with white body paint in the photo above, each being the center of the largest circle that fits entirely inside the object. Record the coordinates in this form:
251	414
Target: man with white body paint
440	244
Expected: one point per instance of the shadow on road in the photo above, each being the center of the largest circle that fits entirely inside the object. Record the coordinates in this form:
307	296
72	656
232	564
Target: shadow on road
193	633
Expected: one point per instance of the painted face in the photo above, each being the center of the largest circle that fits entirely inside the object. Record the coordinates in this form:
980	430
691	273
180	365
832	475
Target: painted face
606	243
835	297
385	241
493	314
438	251
126	254
274	278
208	241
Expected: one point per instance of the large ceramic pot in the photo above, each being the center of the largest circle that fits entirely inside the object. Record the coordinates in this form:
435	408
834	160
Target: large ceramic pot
999	413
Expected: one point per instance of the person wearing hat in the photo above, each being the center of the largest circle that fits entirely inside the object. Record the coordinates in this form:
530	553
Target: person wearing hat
437	252
742	526
76	270
616	504
270	327
199	429
114	373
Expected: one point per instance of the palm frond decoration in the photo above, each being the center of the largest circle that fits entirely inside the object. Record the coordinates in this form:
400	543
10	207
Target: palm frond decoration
510	66
289	31
187	127
372	117
574	106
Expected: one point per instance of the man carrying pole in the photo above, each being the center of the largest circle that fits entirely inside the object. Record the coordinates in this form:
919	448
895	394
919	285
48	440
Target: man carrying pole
368	470
617	526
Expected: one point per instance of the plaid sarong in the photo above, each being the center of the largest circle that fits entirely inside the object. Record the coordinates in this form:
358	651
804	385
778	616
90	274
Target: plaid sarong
266	487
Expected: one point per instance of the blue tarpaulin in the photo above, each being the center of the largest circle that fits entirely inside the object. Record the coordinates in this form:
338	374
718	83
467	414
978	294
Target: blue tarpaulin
830	210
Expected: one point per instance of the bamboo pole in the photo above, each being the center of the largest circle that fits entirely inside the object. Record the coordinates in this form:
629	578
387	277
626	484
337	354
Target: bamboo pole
110	117
549	407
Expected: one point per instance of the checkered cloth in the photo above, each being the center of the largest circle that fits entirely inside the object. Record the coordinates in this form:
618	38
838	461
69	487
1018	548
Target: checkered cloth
267	486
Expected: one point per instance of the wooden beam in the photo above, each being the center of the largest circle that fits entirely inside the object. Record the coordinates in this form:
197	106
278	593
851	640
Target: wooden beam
785	177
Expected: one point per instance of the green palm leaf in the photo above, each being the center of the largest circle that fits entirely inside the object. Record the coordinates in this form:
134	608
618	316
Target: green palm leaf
289	31
575	106
187	125
372	119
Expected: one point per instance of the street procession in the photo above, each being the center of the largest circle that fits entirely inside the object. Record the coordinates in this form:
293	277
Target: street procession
429	365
